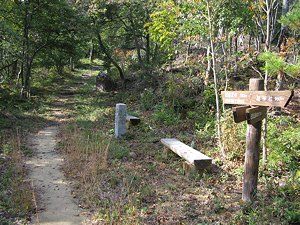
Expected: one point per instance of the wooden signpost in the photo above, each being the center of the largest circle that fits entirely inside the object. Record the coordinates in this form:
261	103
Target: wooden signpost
255	110
256	114
261	98
239	113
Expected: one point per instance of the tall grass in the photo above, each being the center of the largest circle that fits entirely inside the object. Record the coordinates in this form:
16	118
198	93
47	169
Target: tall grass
15	191
86	153
89	155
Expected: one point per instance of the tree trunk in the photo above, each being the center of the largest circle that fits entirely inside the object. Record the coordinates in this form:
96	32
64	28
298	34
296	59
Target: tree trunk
230	45
25	69
295	51
215	79
257	43
236	56
25	72
27	85
137	45
282	41
71	64
249	43
208	69
15	69
148	48
284	30
91	56
270	21
269	7
109	57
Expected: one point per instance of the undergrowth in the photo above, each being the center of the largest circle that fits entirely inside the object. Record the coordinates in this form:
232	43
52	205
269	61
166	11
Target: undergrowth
16	193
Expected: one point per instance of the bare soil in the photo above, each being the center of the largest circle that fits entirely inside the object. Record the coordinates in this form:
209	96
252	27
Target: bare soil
56	204
54	197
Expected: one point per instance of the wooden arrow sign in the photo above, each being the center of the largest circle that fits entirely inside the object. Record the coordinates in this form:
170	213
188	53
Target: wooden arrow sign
257	98
256	114
239	113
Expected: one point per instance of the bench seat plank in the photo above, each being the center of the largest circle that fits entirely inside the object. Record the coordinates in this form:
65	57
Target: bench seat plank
194	157
133	120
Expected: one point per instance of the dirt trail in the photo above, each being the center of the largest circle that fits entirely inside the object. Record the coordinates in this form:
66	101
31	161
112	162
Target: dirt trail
55	203
56	206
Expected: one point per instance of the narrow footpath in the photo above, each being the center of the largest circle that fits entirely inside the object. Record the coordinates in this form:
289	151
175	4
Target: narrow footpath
55	203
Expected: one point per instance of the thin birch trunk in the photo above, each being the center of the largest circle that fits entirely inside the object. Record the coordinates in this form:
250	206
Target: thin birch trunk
264	127
215	79
208	70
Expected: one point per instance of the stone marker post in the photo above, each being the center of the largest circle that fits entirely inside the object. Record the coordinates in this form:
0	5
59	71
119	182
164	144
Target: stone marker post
120	120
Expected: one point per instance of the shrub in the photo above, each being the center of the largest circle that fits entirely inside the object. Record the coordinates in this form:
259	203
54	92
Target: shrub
233	137
147	99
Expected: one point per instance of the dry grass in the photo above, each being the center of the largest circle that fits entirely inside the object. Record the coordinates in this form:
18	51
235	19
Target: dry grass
16	192
87	163
86	156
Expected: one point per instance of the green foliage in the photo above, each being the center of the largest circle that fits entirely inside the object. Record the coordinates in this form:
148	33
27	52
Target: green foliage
181	91
147	99
206	110
279	202
275	64
283	139
173	94
173	23
166	117
120	25
277	210
164	23
236	16
234	137
292	18
36	35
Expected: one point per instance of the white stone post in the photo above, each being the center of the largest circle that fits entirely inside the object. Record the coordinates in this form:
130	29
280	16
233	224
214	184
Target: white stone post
120	120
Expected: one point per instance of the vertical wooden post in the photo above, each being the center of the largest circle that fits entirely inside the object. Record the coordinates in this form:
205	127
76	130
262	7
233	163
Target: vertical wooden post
252	150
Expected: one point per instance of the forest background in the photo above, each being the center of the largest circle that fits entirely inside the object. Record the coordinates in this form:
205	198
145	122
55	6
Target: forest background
168	60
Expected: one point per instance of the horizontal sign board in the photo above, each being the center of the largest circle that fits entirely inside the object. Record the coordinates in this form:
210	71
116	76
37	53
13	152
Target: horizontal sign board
239	113
256	114
257	98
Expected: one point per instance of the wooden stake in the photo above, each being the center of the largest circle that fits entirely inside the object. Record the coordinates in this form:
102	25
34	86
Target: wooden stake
252	151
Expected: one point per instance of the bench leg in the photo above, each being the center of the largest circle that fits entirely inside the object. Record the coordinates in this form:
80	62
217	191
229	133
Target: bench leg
189	169
166	151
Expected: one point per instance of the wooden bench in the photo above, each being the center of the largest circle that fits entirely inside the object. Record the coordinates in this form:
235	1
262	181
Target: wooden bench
194	159
132	120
